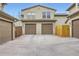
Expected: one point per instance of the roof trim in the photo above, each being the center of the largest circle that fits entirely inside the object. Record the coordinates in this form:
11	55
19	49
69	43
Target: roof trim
70	6
7	15
37	6
71	15
61	14
74	13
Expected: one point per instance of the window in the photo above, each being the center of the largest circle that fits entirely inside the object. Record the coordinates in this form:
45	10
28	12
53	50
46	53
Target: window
22	16
46	15
78	4
31	15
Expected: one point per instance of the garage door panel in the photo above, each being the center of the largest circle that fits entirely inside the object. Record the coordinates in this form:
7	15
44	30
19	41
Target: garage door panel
5	31
30	29
47	28
75	28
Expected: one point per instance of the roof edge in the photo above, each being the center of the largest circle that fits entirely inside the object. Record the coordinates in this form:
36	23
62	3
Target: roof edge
36	6
71	15
70	6
7	15
61	14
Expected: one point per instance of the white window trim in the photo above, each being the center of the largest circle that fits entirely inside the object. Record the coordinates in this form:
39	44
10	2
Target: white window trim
31	14
46	14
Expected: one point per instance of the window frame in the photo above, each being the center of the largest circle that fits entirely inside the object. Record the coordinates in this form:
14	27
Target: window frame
31	15
46	14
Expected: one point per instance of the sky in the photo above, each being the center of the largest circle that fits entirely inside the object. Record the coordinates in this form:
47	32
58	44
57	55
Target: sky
14	9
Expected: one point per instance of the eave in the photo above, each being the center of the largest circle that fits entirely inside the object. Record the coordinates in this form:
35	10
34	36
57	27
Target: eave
37	6
5	15
40	20
70	6
61	14
71	15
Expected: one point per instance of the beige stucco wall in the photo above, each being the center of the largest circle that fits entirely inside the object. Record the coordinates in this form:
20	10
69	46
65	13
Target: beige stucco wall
73	17
38	12
38	28
54	28
23	28
13	30
60	19
18	23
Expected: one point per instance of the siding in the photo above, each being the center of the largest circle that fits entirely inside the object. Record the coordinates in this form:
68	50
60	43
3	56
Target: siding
61	19
38	11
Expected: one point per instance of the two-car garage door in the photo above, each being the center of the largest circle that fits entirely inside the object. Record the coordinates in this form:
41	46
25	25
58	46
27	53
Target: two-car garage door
5	31
45	29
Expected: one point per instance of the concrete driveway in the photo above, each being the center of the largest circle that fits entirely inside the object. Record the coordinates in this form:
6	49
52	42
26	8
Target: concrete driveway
41	45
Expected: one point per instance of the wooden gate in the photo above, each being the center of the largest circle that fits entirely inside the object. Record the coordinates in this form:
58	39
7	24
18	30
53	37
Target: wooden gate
62	30
18	31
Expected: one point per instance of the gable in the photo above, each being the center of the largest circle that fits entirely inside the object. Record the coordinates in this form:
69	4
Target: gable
38	8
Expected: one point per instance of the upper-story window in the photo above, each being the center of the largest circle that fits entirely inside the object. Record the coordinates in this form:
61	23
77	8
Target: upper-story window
78	4
31	15
22	16
46	14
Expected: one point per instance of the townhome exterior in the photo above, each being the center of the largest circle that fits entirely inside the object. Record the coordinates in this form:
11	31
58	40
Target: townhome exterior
73	20
41	20
38	20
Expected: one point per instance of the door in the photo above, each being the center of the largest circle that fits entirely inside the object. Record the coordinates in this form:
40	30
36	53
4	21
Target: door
75	28
30	29
18	31
6	31
47	28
